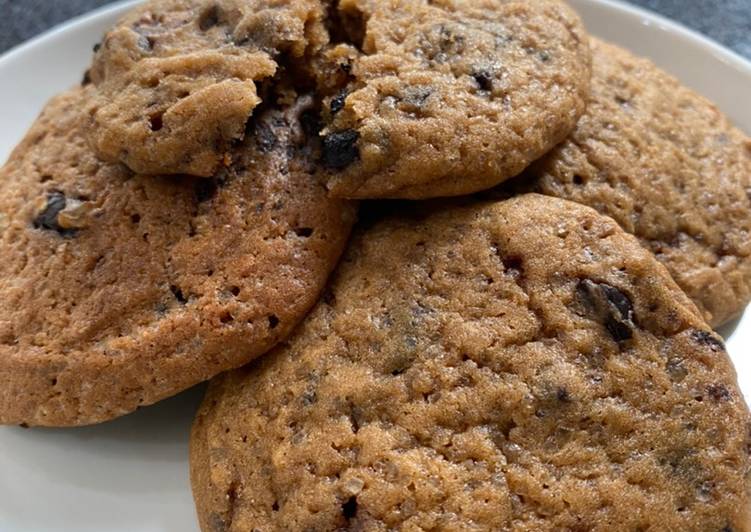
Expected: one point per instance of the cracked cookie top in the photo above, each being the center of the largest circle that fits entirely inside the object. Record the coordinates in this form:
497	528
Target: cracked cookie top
520	365
120	290
669	167
417	98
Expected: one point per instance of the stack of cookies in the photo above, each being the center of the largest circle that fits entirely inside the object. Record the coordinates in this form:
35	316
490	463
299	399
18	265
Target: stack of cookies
529	347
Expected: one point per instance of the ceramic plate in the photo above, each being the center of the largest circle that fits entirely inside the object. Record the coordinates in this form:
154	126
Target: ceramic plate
132	474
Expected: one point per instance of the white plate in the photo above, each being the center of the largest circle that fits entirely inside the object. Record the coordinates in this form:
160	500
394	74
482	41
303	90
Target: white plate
132	474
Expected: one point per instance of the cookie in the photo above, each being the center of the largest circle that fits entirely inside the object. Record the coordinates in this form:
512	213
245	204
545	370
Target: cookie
519	365
670	169
448	97
177	79
119	290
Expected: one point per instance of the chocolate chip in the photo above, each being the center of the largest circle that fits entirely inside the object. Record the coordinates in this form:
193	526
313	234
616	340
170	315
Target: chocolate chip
563	396
337	102
86	78
178	294
544	56
340	148
206	189
484	80
273	321
209	18
47	219
156	121
309	397
709	340
304	232
619	331
349	508
718	392
620	301
609	306
97	47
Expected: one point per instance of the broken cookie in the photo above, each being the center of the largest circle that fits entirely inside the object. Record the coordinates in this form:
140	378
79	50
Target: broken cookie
177	79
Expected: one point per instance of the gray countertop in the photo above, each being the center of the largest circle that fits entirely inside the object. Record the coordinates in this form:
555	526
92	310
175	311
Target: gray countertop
727	21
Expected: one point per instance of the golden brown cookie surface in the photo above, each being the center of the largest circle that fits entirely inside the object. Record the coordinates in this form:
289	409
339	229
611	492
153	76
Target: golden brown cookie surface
523	365
670	169
119	290
450	97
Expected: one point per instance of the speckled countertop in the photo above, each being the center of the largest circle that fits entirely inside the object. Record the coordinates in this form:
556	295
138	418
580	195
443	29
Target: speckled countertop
727	21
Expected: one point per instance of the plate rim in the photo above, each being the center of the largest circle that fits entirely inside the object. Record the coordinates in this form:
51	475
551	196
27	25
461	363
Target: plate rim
719	50
63	27
647	16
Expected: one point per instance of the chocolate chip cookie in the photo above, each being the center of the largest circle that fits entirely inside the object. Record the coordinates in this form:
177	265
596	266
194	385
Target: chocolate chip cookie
670	169
519	365
177	79
120	289
448	97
